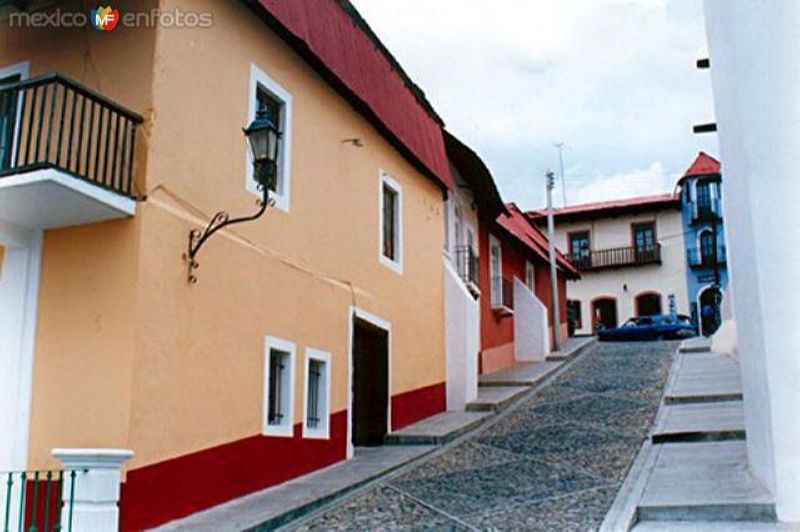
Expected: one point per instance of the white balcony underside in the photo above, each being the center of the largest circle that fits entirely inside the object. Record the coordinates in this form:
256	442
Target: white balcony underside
49	199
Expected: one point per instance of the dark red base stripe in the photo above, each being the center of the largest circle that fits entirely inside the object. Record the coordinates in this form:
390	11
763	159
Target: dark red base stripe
410	407
168	490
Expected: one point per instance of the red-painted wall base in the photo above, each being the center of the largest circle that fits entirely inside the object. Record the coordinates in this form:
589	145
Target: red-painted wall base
410	407
168	490
159	493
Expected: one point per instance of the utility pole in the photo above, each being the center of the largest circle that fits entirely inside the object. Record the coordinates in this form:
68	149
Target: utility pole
560	146
551	237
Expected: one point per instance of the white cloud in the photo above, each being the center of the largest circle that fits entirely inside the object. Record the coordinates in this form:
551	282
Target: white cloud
614	79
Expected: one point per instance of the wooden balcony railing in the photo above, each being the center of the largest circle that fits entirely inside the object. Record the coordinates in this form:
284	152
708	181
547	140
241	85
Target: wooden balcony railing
616	257
51	121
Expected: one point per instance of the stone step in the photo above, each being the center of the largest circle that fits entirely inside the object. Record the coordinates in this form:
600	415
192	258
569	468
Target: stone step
698	344
704	377
437	430
719	526
496	398
520	374
700	422
707	481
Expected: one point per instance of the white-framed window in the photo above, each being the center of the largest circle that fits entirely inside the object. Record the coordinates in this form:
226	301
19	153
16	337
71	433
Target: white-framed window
9	117
459	224
390	200
530	276
496	270
267	95
279	358
447	216
317	393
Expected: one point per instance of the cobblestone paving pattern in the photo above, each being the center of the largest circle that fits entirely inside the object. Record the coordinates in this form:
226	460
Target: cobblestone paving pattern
555	463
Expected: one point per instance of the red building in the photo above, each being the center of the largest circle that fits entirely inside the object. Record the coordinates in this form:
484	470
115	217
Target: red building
517	303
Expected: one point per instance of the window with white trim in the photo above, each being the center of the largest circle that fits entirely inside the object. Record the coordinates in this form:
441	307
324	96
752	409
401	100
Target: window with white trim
495	271
317	394
530	276
391	223
278	387
268	97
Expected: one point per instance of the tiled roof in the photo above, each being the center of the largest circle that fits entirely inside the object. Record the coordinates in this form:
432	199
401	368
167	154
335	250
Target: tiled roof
333	38
609	208
518	225
704	164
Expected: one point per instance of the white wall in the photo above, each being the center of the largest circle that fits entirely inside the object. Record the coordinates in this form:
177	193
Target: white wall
753	47
462	340
667	278
531	338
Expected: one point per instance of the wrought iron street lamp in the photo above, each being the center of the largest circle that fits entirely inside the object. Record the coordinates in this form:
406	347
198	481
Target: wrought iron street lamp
263	139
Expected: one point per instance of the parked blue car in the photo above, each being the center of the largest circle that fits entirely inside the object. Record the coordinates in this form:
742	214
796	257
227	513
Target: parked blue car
647	328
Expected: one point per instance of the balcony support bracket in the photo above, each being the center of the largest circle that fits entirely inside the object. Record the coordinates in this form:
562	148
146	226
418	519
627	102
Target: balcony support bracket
220	220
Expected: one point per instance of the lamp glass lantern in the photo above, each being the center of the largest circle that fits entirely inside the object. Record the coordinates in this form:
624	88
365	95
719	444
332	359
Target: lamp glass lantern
263	139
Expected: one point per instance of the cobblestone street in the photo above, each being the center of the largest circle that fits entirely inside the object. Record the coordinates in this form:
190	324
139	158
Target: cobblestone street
554	462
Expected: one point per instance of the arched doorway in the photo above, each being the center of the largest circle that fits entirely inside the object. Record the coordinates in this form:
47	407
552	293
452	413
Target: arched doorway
648	304
604	313
708	304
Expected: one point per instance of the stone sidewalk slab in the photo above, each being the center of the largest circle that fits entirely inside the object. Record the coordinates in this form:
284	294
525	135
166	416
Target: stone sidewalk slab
437	430
276	506
694	422
704	377
495	398
521	374
704	481
572	348
721	526
698	344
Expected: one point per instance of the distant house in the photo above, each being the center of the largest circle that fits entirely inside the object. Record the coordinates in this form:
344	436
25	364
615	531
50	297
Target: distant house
631	257
516	304
707	272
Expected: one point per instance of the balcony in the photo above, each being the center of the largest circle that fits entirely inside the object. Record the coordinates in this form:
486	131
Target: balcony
705	211
66	154
697	259
616	258
467	268
503	295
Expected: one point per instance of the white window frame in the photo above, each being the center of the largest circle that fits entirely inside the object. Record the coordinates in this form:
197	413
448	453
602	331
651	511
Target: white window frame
395	265
286	429
322	431
530	276
258	78
494	296
22	68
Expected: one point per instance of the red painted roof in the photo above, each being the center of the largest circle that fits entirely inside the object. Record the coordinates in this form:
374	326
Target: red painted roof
607	207
516	223
338	43
704	164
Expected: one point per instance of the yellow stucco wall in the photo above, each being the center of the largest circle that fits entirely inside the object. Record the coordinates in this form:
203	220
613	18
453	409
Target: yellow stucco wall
147	361
85	336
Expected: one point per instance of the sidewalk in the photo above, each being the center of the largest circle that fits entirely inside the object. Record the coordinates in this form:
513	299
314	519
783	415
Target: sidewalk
692	474
279	505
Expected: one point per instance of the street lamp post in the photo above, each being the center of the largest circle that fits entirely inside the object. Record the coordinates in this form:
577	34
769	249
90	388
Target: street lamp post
550	183
263	138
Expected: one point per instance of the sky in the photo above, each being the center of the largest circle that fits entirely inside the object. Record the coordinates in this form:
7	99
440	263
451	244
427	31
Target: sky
614	80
